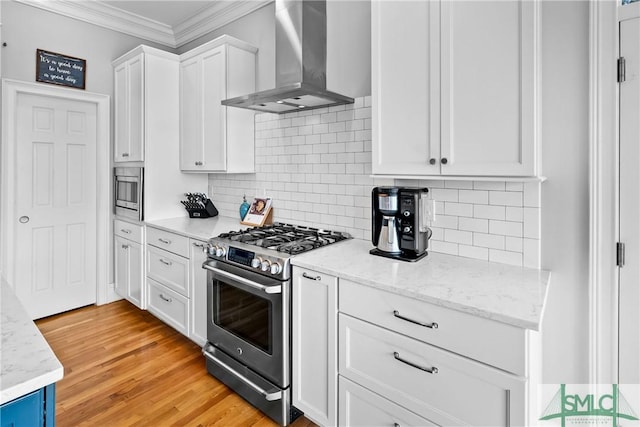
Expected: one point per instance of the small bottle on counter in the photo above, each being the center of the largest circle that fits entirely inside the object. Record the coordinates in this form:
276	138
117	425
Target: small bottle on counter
244	207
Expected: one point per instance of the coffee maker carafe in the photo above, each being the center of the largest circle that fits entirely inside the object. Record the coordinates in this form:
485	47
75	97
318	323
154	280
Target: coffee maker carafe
399	222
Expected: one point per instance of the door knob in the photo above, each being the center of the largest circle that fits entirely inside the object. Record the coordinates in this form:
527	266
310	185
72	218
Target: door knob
24	219
444	161
432	161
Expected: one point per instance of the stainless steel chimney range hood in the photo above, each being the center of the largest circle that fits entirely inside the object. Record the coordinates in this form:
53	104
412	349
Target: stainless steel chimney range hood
301	62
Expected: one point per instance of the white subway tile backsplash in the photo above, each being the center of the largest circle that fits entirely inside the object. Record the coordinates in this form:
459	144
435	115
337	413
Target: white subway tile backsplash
316	165
486	240
457	236
489	212
474	196
473	252
505	228
474	224
505	198
514	214
458	209
505	257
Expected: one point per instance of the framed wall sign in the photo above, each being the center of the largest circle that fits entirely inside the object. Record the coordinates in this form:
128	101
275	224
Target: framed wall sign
59	69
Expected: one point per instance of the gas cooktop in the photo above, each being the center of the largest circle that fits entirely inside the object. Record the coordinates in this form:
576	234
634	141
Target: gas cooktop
267	249
286	238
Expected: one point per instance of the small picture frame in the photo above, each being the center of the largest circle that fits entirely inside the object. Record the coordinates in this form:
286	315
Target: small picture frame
259	213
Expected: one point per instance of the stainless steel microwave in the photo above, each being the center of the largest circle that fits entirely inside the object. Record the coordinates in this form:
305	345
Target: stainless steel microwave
129	192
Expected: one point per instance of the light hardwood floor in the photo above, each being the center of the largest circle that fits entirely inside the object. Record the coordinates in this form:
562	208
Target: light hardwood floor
122	367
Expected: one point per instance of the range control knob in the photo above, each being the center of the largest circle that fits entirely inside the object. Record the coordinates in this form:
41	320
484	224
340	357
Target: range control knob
406	213
256	262
211	249
220	251
407	229
266	265
276	268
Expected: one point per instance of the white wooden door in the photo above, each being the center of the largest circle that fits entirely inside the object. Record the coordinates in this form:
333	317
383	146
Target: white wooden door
214	116
488	87
314	343
122	265
191	145
629	315
129	110
198	293
405	87
55	204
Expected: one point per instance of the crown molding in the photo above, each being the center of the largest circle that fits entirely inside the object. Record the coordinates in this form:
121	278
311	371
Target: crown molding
217	15
106	16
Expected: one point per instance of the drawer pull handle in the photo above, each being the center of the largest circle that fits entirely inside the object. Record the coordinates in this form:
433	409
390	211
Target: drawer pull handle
432	370
306	276
432	325
125	246
199	245
165	262
165	241
396	425
164	298
124	230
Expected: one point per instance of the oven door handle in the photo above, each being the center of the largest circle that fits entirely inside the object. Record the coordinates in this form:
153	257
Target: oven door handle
269	396
266	289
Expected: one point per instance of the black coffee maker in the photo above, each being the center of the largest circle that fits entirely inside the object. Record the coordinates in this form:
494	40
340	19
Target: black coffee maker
399	222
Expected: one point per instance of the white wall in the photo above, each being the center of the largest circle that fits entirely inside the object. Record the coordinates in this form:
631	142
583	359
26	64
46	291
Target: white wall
26	28
565	209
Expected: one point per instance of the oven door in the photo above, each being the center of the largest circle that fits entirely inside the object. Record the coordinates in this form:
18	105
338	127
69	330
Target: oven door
248	318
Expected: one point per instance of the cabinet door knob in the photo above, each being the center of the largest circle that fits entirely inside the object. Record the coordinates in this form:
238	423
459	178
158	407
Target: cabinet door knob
444	161
432	161
198	163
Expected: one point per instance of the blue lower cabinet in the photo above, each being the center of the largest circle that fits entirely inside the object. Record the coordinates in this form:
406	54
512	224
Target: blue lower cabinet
31	410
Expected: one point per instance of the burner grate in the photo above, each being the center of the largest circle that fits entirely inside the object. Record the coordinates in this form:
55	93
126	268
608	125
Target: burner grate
286	238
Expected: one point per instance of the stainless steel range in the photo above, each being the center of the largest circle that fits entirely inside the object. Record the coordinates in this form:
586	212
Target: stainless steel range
249	311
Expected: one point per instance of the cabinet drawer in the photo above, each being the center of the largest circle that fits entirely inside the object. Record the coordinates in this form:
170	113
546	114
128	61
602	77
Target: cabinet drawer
128	230
169	269
168	241
491	342
360	407
438	385
169	306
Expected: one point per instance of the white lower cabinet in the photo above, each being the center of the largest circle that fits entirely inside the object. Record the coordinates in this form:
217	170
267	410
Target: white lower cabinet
129	262
198	292
404	362
314	320
359	407
177	282
168	278
436	384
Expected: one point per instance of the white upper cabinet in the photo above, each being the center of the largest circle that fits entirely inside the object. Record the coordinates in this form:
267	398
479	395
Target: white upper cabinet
129	109
454	86
215	138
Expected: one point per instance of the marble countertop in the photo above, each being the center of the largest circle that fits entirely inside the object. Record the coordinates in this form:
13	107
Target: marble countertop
198	228
508	294
27	363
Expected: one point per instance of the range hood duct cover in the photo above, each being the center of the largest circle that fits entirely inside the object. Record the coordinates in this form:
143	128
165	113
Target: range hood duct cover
301	62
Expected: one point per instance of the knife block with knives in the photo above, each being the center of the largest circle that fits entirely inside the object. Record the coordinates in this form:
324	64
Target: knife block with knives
199	205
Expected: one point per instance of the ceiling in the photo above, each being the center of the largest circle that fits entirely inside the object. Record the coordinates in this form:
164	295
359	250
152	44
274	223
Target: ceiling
168	22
